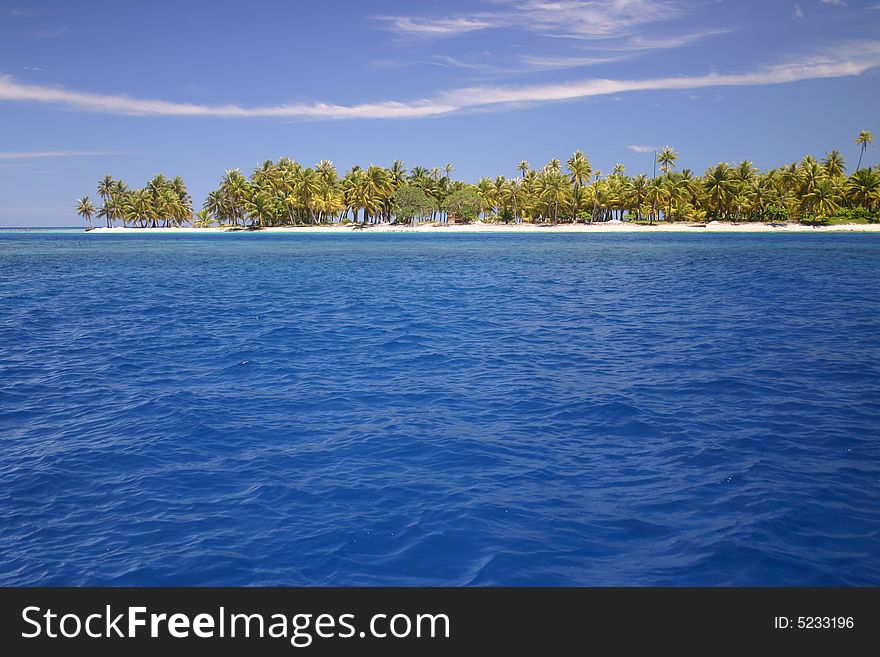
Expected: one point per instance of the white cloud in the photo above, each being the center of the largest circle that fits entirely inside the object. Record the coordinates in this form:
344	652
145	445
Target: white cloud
836	3
848	62
584	19
27	155
798	12
660	43
636	148
549	63
437	26
49	33
443	60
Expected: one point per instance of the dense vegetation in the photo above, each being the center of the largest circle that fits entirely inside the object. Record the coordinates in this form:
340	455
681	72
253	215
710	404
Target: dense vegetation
286	193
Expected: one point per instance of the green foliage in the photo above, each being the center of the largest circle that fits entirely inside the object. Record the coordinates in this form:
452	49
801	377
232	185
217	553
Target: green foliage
464	203
409	203
284	192
777	213
847	216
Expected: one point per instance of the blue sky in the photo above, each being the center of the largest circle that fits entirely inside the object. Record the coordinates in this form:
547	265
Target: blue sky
193	88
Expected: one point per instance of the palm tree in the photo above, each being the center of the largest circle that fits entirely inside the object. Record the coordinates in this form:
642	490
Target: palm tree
106	186
580	170
863	187
667	158
554	190
656	195
834	164
822	199
718	187
636	191
864	140
308	185
85	209
284	191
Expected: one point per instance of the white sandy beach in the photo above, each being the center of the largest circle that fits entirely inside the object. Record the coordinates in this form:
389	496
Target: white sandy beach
609	227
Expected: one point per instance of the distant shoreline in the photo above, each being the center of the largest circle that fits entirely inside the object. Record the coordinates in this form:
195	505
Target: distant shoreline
523	229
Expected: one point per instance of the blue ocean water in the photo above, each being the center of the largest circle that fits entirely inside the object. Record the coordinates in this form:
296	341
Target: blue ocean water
439	410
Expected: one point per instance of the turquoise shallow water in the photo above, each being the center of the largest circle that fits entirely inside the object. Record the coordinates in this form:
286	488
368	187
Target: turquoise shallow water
427	410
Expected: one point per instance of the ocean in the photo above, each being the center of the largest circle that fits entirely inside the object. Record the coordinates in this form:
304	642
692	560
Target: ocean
399	409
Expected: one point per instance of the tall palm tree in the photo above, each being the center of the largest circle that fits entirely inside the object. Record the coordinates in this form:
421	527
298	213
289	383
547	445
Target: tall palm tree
579	170
308	185
657	194
85	209
834	164
284	191
554	190
667	158
864	140
106	186
863	188
637	193
822	199
718	186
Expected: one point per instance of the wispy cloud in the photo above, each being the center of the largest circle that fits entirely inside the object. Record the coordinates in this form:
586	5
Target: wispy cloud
797	12
436	26
584	19
28	155
835	3
610	27
636	148
848	62
535	62
455	62
654	42
48	33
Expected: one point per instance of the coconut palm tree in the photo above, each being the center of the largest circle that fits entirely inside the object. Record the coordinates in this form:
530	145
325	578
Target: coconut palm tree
864	140
85	209
657	195
284	191
718	187
822	198
106	186
308	185
863	188
636	191
834	164
579	170
554	190
667	158
553	166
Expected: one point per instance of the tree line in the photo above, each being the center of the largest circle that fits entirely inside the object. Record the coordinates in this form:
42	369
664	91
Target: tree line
287	193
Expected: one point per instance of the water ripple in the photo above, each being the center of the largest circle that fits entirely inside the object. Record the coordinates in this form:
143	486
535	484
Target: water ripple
424	410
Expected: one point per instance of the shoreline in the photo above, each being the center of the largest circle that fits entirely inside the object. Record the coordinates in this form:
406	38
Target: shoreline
508	229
